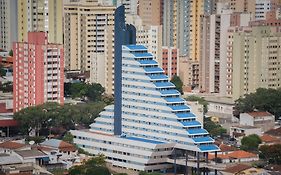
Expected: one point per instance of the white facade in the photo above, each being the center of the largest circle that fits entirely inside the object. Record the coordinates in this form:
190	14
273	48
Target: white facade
131	6
262	7
155	119
265	122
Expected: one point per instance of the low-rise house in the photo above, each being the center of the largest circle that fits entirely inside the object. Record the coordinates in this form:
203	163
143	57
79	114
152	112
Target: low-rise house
60	151
270	140
263	120
240	169
235	157
239	131
32	156
10	146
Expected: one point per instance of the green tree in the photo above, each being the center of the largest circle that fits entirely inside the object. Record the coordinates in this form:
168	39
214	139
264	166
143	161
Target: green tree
178	83
271	153
262	100
95	165
250	143
11	53
68	137
2	71
213	128
201	100
94	92
7	86
36	117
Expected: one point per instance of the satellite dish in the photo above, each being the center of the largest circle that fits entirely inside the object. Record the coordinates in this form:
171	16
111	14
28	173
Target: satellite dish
31	142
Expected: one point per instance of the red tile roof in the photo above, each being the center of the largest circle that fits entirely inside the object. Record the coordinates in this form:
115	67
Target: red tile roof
64	146
11	145
274	132
237	168
227	148
269	139
235	155
259	114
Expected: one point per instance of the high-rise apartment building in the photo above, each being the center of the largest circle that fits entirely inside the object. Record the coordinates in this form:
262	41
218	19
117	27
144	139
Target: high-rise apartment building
176	25
38	71
248	6
131	6
84	37
213	62
264	6
42	16
150	12
170	61
256	60
8	23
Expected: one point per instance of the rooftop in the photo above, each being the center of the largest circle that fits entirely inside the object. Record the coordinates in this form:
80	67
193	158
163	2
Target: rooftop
237	168
259	114
227	148
30	153
136	47
59	144
239	154
12	145
269	139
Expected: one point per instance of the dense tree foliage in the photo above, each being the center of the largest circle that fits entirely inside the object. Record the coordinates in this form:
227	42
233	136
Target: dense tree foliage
92	92
271	153
11	53
250	143
52	115
2	71
6	87
200	100
213	128
262	100
93	166
178	83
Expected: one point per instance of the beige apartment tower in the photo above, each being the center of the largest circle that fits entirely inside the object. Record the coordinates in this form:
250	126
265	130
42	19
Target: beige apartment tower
41	16
84	37
256	60
150	12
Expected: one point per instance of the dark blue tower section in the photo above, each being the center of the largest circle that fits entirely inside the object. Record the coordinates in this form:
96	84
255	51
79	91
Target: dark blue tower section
124	34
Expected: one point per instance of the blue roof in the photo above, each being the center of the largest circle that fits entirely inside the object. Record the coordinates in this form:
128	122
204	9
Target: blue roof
148	62
170	92
202	139
136	47
191	123
153	69
179	107
158	77
164	84
186	115
197	131
143	55
209	147
174	99
144	140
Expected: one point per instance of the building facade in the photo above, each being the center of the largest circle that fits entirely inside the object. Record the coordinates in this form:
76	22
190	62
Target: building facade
170	61
154	119
8	23
256	60
40	16
150	12
84	24
38	72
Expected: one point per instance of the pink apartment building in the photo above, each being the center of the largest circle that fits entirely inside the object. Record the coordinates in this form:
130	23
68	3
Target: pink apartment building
38	71
169	61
